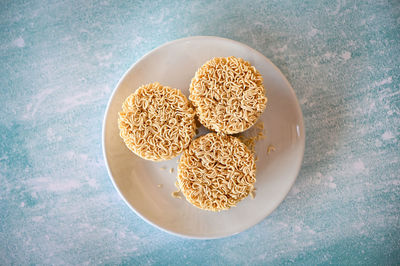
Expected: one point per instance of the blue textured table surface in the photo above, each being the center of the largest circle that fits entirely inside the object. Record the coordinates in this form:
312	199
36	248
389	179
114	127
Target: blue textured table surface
60	61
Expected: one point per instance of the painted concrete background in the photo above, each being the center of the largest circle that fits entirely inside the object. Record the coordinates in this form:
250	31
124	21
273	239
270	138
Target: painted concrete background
60	61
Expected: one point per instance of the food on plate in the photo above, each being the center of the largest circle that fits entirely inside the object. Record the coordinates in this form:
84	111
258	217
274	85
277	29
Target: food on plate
270	148
228	94
157	122
216	172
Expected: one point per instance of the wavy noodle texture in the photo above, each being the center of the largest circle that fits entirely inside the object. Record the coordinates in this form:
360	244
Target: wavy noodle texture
216	172
157	122
228	94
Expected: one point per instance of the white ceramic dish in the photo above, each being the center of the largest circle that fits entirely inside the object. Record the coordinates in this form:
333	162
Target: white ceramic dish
174	64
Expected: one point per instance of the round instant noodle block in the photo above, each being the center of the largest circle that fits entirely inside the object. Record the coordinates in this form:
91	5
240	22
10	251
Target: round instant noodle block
157	122
216	172
228	94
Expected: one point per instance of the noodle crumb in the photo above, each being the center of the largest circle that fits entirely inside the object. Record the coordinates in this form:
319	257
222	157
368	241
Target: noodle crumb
251	137
253	193
176	194
260	135
270	148
260	125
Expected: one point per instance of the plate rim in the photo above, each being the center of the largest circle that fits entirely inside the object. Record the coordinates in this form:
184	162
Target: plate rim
301	124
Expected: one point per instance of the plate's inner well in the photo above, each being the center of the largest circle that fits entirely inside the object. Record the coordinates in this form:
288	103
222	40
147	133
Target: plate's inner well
147	186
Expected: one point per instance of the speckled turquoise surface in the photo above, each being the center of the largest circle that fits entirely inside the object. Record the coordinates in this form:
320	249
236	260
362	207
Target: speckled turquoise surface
60	61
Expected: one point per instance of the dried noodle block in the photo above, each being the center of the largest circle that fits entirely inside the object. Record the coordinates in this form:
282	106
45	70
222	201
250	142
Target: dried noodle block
216	172
157	122
228	94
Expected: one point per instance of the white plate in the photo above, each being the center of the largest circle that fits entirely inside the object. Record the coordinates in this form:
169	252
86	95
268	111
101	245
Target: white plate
174	64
